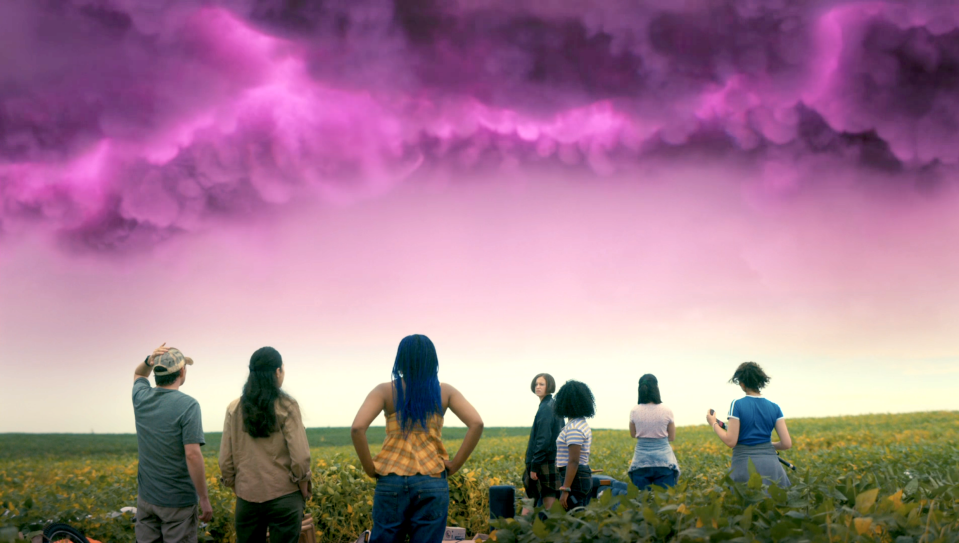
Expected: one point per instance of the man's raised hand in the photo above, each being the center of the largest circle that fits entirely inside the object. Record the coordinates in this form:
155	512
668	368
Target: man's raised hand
158	352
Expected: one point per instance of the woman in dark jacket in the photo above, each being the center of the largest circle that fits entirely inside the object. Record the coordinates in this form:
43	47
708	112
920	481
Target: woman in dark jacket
540	477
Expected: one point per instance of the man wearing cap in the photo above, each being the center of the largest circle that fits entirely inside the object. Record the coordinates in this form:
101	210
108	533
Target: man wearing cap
171	475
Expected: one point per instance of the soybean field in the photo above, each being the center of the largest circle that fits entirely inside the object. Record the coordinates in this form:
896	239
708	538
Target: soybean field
873	478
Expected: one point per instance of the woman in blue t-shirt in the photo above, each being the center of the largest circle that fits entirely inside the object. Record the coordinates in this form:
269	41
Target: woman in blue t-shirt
749	429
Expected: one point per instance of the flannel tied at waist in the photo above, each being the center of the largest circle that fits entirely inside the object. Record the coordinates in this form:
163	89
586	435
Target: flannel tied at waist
421	452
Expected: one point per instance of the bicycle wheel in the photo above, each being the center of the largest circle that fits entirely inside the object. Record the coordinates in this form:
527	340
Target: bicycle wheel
59	532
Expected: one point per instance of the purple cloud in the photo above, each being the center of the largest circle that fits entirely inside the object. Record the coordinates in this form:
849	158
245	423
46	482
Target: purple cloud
124	123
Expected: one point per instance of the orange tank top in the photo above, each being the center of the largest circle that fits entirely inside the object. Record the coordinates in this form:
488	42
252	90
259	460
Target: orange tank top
419	453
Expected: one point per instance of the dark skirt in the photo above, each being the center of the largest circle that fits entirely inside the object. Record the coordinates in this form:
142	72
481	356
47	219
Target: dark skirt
582	484
764	458
546	483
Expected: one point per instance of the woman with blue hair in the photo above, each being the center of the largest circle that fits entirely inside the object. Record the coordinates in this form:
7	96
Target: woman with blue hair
412	492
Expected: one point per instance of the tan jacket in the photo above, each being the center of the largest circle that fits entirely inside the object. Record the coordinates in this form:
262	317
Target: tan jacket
261	469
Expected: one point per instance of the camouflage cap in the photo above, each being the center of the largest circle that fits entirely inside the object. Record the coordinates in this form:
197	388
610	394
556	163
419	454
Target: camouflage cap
171	362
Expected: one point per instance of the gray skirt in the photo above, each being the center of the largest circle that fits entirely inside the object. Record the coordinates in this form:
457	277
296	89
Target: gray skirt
766	462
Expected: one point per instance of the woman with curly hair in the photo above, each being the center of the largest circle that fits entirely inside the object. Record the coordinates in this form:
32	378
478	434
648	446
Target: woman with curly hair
264	455
653	426
574	402
412	493
749	429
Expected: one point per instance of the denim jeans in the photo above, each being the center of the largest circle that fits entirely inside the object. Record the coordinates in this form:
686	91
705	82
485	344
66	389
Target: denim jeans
644	478
415	505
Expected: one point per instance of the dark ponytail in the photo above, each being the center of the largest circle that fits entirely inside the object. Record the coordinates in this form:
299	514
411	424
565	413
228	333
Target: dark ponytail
751	376
261	392
649	389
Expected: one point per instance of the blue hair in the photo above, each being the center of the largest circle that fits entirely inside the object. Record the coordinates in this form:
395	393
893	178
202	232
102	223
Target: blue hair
417	365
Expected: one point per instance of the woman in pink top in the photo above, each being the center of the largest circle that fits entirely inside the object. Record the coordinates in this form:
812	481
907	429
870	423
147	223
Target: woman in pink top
653	426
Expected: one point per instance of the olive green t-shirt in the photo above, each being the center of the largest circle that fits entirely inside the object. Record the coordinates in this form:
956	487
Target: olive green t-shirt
166	421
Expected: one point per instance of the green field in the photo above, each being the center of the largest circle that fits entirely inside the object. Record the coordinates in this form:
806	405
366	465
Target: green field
87	445
876	478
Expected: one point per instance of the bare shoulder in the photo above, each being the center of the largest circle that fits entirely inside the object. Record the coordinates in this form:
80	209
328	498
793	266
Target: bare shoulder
447	393
448	390
383	392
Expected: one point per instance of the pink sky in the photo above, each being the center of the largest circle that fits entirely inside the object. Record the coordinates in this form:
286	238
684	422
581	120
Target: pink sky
847	296
597	190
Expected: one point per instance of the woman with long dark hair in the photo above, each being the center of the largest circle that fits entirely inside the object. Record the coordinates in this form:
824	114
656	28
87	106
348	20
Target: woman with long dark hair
574	402
264	455
412	492
654	427
540	477
748	431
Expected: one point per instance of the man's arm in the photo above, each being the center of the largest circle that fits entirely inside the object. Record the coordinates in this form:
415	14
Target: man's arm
194	462
143	370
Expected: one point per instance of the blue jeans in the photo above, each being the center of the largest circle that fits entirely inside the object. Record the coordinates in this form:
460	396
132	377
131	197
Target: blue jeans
415	505
644	478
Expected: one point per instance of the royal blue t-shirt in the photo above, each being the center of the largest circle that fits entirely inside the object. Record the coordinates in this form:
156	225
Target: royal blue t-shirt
757	418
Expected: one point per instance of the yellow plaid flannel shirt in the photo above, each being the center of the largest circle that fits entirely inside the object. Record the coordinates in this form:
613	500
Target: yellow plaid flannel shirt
419	453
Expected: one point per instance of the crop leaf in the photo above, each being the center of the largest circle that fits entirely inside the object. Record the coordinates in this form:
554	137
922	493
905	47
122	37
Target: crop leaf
865	500
540	529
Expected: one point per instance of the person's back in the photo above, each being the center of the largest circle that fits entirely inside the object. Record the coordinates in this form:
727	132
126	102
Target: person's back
651	420
749	429
171	478
652	424
263	468
265	456
412	492
166	420
757	419
421	451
